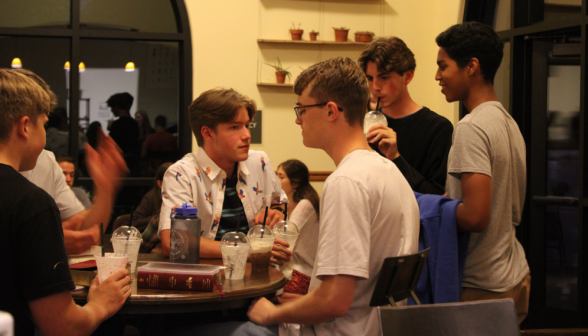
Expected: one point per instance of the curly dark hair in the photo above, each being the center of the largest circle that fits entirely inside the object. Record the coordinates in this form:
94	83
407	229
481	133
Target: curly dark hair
390	55
468	40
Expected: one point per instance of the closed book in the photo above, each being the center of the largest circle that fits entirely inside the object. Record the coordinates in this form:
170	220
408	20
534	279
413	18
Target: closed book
192	277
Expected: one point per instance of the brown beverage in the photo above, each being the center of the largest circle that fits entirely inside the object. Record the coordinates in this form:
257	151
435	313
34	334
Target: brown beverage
260	254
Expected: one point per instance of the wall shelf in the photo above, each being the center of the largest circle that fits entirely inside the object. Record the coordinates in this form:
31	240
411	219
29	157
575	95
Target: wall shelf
311	42
275	85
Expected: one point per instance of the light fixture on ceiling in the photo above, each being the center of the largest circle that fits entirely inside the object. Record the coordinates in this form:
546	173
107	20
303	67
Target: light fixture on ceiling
16	63
130	67
66	66
82	67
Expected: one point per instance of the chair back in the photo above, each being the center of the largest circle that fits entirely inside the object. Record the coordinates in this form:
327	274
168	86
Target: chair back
398	279
480	318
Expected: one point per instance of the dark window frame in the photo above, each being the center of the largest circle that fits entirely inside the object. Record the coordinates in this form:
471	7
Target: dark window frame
76	33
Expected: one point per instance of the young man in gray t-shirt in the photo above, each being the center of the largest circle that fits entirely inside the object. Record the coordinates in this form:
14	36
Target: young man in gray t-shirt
486	167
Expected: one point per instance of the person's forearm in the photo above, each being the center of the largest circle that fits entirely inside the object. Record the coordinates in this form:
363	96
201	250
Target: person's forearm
101	208
312	308
77	242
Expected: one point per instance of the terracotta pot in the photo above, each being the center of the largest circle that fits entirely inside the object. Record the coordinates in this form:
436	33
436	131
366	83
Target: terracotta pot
341	35
296	34
313	36
363	37
280	77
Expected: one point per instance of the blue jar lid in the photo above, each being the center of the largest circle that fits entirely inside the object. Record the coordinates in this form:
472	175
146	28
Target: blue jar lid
185	210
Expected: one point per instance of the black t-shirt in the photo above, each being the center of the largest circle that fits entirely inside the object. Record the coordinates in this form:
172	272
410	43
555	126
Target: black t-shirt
32	253
233	214
424	140
125	132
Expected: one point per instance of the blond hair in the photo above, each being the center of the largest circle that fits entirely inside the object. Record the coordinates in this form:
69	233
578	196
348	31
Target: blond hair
216	106
21	96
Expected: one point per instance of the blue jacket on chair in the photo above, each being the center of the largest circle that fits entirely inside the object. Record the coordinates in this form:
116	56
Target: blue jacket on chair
440	281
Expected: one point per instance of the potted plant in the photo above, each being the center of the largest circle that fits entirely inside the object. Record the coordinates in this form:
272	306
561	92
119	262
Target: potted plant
341	34
313	35
296	32
281	72
364	36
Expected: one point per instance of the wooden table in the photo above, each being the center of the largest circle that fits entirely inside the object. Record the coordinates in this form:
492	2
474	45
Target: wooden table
237	294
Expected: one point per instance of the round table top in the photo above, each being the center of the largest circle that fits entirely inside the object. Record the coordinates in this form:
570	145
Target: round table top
237	294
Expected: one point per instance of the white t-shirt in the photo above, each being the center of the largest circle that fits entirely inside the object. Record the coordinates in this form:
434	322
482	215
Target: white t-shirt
48	176
368	213
197	180
304	251
488	141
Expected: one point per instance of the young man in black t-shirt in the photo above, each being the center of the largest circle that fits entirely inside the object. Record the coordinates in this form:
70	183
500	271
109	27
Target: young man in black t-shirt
35	283
417	139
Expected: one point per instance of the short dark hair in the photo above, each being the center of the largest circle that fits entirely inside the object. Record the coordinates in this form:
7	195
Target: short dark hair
217	106
160	121
64	158
390	55
341	81
122	100
468	40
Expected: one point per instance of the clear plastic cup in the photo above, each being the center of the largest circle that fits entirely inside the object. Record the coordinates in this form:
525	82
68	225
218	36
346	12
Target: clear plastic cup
110	264
289	232
372	118
262	241
129	246
235	249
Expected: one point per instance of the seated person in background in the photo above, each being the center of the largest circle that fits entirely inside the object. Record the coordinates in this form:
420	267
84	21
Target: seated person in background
223	176
160	146
81	228
124	130
303	210
487	167
36	282
416	139
68	165
58	133
146	215
368	210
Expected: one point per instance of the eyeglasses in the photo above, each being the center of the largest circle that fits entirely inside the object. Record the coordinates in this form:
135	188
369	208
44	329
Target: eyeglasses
297	108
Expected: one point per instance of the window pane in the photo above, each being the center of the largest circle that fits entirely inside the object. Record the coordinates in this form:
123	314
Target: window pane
502	15
154	87
556	9
136	15
20	14
502	79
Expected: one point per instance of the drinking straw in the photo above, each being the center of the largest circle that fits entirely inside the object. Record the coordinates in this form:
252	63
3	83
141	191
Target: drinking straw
285	217
129	233
264	219
378	103
238	226
102	238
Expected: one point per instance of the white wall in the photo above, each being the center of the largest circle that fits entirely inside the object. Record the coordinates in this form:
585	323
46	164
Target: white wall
226	53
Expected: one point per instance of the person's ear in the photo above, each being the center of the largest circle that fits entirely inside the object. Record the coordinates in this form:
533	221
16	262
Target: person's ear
333	111
408	76
473	66
206	132
159	183
23	127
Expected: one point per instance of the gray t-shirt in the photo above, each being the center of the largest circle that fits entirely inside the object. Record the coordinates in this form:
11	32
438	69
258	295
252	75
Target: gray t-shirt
488	141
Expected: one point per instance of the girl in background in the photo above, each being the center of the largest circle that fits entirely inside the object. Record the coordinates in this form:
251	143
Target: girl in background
145	128
303	210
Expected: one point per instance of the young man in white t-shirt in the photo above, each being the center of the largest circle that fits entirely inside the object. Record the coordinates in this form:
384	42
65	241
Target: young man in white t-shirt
368	210
486	167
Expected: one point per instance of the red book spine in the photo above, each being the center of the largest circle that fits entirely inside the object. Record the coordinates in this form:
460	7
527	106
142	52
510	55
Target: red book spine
188	282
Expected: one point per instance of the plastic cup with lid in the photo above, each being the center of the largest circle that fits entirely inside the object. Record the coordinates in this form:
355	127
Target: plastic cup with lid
127	240
262	240
235	249
372	118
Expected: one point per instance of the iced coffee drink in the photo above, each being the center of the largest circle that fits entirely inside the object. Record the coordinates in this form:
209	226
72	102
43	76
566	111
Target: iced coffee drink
262	241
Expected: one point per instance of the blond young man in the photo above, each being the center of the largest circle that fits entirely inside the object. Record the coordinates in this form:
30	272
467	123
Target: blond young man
368	210
229	184
37	282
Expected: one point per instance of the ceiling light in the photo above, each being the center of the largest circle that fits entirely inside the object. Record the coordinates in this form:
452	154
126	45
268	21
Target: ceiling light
130	67
16	63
